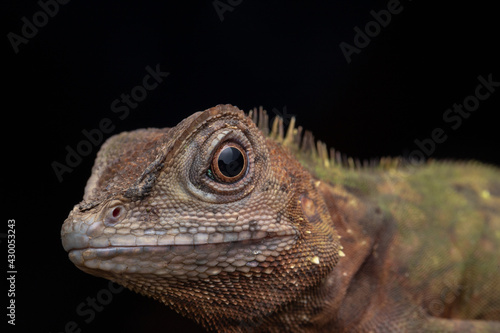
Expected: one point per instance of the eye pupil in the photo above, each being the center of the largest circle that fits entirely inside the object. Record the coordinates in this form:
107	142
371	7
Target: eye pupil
116	212
231	162
114	215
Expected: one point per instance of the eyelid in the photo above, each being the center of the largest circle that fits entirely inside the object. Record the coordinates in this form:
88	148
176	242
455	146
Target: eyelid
221	137
200	176
114	213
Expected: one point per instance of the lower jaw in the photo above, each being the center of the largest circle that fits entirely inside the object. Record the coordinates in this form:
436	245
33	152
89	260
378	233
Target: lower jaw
179	261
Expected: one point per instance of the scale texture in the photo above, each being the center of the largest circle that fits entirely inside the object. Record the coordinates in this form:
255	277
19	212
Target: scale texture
249	229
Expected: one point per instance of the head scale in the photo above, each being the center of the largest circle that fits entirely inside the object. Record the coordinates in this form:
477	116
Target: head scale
164	216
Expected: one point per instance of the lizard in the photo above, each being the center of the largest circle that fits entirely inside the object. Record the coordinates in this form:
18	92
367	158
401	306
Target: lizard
246	227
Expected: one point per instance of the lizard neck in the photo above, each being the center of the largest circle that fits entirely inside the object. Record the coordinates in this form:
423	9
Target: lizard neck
345	296
348	293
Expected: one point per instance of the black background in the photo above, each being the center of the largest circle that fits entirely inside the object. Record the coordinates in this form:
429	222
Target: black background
278	54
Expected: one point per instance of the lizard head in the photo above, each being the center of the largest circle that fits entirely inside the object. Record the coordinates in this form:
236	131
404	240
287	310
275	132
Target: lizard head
211	217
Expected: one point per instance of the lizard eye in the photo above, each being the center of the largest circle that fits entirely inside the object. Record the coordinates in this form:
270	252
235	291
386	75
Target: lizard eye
229	163
114	214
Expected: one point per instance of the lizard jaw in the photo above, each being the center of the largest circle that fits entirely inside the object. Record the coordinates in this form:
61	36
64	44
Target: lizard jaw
183	255
181	261
82	235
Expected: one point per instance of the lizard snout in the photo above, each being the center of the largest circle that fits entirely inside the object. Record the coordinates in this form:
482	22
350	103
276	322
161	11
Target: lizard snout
77	231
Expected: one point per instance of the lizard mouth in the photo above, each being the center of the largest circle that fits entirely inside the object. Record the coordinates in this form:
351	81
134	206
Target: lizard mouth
170	252
89	233
77	240
181	261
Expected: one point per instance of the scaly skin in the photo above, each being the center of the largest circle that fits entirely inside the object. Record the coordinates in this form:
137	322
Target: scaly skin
298	242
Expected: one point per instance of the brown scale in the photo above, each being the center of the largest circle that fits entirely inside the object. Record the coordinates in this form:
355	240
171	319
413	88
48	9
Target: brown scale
288	236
